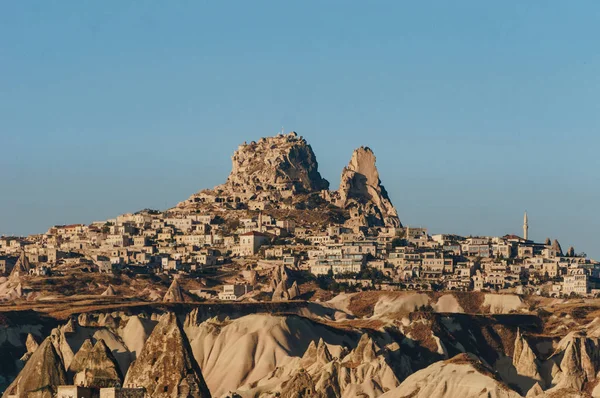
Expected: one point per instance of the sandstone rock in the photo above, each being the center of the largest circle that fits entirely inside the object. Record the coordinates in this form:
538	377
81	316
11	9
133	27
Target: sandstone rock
363	195
525	360
294	291
62	347
461	376
96	367
579	364
535	391
42	373
166	366
110	291
174	294
31	343
21	268
556	246
272	163
78	362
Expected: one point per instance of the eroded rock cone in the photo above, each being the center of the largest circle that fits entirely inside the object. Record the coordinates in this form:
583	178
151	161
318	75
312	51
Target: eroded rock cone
31	343
361	192
110	291
524	359
96	367
280	293
78	361
535	391
294	291
41	376
263	165
174	294
166	366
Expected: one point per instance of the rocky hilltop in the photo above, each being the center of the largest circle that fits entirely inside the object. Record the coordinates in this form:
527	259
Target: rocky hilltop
283	162
362	193
282	173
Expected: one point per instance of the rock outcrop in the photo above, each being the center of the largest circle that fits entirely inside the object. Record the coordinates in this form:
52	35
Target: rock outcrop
283	162
95	366
525	361
174	294
166	366
579	362
461	376
21	268
363	195
42	373
110	291
280	283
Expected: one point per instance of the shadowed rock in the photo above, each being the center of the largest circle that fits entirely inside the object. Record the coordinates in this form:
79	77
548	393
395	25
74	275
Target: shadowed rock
41	376
174	294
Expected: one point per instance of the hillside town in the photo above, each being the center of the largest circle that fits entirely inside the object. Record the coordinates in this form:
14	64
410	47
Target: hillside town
270	217
251	278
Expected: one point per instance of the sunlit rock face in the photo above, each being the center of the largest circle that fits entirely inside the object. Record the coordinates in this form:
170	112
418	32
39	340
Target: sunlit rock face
166	366
42	374
272	162
362	193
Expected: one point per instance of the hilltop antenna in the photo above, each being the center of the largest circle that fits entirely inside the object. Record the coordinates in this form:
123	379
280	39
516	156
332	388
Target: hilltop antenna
282	130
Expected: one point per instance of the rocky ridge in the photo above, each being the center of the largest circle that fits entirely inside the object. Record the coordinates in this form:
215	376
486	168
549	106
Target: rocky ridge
279	172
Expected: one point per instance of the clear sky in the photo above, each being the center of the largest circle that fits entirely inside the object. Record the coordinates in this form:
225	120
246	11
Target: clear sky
476	110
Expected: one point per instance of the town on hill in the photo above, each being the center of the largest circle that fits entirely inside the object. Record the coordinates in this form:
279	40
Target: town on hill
272	284
275	210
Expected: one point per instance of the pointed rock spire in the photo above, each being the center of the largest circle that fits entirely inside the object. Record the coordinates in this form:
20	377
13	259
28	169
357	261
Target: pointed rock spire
294	291
96	367
31	343
535	391
365	350
323	354
280	293
175	293
110	291
362	193
573	375
42	374
556	247
21	268
524	359
78	362
166	367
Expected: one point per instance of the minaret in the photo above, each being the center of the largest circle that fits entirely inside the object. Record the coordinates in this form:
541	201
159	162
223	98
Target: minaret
525	227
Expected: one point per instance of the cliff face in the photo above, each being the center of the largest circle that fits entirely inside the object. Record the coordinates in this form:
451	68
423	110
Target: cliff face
166	366
362	193
272	162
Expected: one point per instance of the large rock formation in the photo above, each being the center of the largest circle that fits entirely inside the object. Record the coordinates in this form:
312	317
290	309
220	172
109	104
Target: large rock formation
95	366
363	195
174	294
42	373
274	162
461	376
166	366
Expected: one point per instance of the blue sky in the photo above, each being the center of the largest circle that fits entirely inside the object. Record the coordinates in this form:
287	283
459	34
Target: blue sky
476	110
